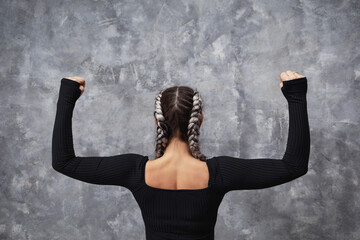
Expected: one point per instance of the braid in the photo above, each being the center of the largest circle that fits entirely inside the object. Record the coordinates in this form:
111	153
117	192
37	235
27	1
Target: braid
162	129
194	126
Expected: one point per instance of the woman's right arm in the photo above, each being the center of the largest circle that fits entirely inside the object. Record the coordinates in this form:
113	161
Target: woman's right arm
239	173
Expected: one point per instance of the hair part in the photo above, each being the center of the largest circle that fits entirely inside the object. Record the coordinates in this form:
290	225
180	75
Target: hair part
178	111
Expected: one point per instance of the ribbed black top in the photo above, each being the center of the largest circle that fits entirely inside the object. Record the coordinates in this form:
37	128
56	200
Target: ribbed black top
183	213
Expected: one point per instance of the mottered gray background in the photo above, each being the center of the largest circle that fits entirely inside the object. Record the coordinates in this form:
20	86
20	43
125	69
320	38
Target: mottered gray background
233	53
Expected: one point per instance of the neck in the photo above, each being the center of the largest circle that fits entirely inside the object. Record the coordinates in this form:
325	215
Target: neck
177	150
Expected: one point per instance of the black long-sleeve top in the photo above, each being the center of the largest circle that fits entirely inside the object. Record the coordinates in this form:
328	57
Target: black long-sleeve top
183	213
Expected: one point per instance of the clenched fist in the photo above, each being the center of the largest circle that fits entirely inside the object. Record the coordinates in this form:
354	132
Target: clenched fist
79	80
288	76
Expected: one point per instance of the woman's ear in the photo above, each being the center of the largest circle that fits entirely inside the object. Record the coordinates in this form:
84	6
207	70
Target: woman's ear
202	118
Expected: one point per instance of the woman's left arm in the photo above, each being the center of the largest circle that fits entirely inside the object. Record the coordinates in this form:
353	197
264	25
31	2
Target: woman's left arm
122	170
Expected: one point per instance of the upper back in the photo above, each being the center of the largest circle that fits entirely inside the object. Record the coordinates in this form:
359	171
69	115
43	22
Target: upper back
178	199
189	173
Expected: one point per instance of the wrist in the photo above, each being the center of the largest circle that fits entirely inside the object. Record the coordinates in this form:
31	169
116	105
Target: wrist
295	88
69	90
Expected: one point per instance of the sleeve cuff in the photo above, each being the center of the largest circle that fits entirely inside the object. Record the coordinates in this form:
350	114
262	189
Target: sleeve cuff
69	90
294	86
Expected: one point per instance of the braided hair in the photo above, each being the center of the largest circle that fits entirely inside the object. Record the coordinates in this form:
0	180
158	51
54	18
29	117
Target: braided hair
178	111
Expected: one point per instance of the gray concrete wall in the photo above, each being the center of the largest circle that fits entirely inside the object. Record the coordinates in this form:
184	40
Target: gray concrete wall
233	53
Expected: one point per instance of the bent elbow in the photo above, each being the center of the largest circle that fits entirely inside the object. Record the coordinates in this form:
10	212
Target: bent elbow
55	165
300	173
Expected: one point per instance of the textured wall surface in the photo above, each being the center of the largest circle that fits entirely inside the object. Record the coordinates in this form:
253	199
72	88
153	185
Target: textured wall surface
233	53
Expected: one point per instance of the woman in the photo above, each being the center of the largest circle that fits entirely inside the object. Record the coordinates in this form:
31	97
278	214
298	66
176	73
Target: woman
180	191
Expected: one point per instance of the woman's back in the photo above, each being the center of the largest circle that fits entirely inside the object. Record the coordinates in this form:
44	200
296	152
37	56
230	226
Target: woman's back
183	213
187	173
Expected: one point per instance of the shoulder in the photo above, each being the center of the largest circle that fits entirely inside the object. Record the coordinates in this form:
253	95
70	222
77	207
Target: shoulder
129	168
131	160
224	170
